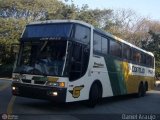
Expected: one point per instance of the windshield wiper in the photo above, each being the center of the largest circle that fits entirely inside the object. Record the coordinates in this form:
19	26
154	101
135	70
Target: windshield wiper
43	46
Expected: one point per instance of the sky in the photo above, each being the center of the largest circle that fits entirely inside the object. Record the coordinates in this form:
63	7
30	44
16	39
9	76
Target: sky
144	8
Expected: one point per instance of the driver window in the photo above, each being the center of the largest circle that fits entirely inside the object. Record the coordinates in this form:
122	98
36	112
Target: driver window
82	34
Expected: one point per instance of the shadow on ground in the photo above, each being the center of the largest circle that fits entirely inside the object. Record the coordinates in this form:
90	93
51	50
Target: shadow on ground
68	108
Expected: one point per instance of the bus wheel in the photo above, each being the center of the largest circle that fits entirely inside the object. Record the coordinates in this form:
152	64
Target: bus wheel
141	90
93	96
145	88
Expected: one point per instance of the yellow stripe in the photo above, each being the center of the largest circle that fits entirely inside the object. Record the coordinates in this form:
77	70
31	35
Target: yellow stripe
133	81
10	105
53	79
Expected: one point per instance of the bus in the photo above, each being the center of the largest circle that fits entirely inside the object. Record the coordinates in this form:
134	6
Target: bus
70	60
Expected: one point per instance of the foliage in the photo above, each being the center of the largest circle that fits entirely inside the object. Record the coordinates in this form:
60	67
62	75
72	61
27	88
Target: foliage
6	70
126	24
154	46
29	9
10	31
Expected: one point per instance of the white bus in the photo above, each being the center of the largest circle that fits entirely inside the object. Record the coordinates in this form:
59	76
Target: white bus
70	60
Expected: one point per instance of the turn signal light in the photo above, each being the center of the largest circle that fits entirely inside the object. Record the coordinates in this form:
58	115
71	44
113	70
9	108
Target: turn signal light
61	84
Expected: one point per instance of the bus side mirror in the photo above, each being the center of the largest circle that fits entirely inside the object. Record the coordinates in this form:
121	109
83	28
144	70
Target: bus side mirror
15	48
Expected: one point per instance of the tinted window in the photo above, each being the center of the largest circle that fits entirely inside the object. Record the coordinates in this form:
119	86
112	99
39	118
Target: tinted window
126	52
150	61
136	56
104	45
48	30
115	48
152	64
97	45
143	58
82	34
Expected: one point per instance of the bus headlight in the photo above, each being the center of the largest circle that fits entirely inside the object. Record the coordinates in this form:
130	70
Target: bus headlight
13	88
56	84
54	93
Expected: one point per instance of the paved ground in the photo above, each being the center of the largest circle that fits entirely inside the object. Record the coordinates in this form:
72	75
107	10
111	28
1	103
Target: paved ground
124	107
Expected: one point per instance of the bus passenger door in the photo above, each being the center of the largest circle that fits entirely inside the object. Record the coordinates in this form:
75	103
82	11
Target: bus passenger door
75	62
78	60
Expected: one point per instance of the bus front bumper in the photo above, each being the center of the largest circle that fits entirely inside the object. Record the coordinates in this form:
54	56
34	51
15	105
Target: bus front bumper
39	92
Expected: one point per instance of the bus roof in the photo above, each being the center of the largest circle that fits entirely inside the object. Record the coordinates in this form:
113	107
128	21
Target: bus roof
61	21
91	26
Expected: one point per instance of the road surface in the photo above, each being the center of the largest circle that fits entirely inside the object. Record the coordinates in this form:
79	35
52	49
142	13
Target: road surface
125	107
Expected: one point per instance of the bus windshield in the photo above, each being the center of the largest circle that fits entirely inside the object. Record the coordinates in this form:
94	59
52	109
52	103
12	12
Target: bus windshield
42	58
48	30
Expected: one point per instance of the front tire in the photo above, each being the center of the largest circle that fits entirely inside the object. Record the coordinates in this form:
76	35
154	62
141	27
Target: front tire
94	95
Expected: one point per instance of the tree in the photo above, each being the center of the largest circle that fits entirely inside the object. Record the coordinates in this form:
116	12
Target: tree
10	32
15	14
125	23
64	12
95	17
30	10
154	46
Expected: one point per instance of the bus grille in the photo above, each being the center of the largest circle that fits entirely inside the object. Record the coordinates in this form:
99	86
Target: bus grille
26	81
39	82
35	81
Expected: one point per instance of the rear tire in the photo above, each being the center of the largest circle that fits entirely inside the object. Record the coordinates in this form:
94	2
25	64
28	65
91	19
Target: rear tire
141	90
94	96
146	87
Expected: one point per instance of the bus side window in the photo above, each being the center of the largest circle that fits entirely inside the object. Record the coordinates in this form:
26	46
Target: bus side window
150	61
143	58
97	43
104	45
126	52
115	48
136	56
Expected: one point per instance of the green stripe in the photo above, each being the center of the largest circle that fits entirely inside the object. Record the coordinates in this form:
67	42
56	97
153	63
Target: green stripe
116	75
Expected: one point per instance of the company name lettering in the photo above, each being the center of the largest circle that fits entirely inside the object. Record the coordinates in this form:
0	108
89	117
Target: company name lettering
138	69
